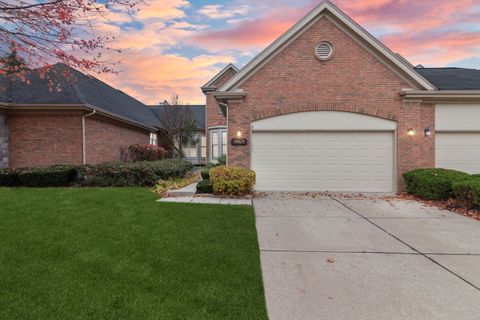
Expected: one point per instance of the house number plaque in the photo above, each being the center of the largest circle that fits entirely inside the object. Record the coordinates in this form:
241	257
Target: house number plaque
239	142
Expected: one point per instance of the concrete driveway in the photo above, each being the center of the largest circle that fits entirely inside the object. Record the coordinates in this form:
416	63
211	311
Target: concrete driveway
337	257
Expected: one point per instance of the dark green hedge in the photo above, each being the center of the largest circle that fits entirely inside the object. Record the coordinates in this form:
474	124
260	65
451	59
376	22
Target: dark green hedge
204	186
54	176
117	174
468	192
433	184
144	173
205	174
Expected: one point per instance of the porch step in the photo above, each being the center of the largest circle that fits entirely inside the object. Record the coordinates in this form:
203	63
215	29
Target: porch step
188	191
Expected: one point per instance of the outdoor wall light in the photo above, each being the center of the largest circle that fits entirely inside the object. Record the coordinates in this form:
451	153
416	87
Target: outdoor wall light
410	132
428	132
239	134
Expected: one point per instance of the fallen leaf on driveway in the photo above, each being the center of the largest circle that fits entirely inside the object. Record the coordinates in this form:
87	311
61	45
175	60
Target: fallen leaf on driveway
330	260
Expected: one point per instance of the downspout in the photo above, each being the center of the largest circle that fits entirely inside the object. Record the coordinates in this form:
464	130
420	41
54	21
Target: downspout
84	138
226	122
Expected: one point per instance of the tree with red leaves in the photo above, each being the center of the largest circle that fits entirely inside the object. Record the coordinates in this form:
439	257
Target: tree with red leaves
44	32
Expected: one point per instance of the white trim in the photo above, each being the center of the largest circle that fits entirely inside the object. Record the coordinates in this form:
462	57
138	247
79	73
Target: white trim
217	127
299	27
210	83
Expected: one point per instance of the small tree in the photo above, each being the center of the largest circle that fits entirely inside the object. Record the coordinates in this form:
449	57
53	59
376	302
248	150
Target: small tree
12	63
179	127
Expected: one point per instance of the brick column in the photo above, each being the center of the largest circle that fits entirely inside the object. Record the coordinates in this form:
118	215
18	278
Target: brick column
3	141
238	120
416	151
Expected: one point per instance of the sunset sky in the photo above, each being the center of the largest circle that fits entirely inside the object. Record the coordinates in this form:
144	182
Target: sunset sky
175	46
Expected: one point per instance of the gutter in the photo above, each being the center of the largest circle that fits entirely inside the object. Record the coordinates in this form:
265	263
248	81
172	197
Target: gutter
84	138
225	106
441	96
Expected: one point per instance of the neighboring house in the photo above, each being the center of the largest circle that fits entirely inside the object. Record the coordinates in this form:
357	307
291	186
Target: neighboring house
82	120
196	152
327	107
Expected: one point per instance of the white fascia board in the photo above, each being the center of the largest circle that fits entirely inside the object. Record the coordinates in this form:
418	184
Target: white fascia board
325	5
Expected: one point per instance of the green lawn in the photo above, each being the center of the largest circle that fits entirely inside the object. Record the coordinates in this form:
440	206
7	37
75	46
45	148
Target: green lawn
118	254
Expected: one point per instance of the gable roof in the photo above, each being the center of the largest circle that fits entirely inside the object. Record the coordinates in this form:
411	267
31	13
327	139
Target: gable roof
452	78
324	7
197	113
76	89
210	84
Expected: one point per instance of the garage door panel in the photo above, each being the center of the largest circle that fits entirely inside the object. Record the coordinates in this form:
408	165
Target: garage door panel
323	161
458	151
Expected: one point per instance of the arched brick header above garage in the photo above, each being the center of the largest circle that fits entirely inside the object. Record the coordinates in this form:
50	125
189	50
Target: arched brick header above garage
322	107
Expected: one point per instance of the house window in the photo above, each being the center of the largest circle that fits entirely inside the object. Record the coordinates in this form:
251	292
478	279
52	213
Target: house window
215	144
218	143
190	151
203	146
196	150
153	139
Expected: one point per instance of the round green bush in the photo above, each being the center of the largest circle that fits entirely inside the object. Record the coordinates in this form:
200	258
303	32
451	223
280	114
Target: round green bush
232	181
204	186
205	174
467	192
433	184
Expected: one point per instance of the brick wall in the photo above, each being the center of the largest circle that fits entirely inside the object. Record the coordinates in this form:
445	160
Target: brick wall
3	141
214	116
38	140
352	81
106	138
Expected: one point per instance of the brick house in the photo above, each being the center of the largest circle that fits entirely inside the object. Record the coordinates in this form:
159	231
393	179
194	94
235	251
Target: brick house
327	107
83	120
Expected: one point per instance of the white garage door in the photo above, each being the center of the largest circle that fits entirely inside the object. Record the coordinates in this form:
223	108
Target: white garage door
457	141
323	161
458	151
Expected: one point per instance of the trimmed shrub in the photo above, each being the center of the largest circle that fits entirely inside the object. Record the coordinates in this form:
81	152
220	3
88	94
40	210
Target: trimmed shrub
432	184
222	161
54	176
205	174
204	186
143	173
232	181
146	152
467	192
10	177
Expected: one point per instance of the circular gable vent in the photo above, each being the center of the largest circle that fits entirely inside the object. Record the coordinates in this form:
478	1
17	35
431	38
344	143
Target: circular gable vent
324	51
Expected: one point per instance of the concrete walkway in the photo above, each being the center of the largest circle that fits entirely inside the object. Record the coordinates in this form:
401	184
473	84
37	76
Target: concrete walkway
344	258
207	200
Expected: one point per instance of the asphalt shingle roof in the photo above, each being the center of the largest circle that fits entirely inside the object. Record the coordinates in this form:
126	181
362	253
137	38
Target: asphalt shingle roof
452	78
76	88
197	113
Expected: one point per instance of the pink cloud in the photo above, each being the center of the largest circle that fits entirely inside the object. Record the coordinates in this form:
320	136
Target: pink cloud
152	78
250	33
416	26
